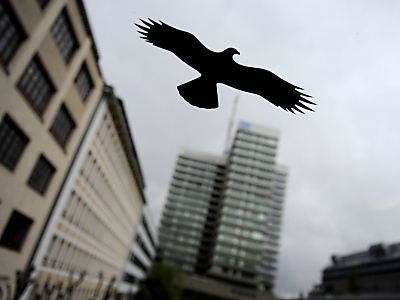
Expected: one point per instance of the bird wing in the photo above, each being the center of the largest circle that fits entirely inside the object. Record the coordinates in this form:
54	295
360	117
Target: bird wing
183	44
267	85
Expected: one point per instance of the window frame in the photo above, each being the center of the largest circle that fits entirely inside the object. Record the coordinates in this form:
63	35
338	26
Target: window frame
16	24
9	239
67	122
31	94
59	35
33	182
11	144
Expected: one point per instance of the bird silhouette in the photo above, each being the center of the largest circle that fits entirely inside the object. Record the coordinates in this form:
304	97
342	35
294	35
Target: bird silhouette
219	67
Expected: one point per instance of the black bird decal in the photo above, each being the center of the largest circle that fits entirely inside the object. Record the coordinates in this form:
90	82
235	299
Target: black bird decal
219	67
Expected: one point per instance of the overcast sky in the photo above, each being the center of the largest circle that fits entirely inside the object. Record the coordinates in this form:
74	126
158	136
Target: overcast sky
343	191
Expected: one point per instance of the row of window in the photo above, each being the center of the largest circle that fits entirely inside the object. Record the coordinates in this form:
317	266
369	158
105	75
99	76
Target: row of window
117	158
194	170
184	254
240	222
194	178
239	252
252	153
224	237
94	176
169	230
234	261
194	185
198	163
78	213
175	197
256	137
230	191
180	189
244	213
250	177
173	204
181	221
246	204
257	235
251	169
179	238
186	213
64	255
249	186
188	249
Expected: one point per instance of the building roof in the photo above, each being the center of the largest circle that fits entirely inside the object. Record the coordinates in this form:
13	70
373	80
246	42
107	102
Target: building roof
375	253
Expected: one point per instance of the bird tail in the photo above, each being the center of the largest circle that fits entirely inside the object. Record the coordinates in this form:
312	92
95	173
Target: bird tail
200	92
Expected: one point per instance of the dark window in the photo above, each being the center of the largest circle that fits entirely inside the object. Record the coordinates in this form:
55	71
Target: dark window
129	278
41	175
11	33
134	259
43	3
12	142
36	86
62	126
16	231
64	36
146	227
143	246
84	82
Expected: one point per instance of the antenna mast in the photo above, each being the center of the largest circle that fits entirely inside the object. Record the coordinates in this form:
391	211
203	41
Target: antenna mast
228	136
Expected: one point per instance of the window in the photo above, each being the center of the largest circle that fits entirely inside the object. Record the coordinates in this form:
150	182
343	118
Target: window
84	82
36	86
129	278
41	175
143	246
16	231
64	36
62	126
12	142
43	3
135	260
11	33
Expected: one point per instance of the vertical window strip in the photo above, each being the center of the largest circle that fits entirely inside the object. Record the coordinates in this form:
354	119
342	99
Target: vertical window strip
41	175
11	33
64	36
36	86
12	142
62	126
84	82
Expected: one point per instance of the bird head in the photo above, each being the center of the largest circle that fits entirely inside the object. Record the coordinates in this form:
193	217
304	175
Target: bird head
230	52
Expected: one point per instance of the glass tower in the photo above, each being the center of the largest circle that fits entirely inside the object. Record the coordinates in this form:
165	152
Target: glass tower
223	213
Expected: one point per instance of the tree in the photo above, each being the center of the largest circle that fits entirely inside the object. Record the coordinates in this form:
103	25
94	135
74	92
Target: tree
165	282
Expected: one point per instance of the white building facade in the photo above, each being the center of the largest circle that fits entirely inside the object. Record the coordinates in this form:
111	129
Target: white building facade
97	212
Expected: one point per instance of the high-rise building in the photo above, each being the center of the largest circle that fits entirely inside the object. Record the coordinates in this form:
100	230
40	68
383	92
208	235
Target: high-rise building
222	218
50	86
97	213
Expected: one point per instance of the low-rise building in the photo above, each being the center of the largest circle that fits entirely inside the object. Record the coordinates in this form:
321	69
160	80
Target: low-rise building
374	271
